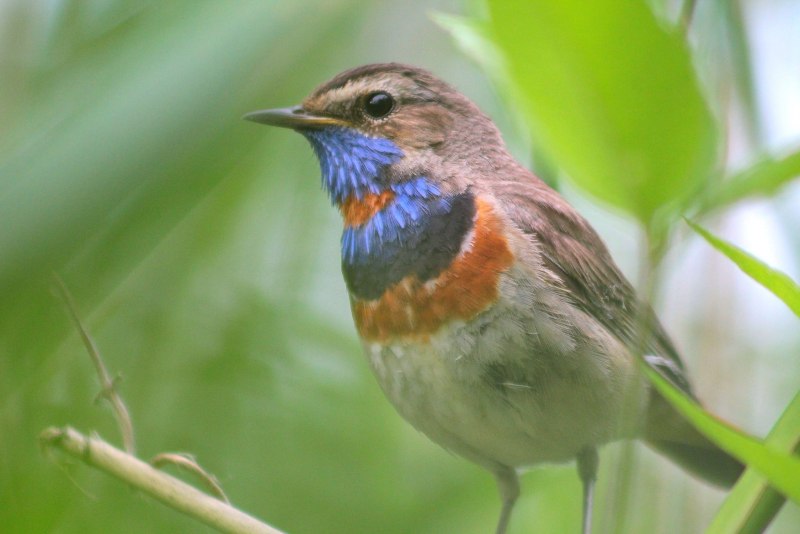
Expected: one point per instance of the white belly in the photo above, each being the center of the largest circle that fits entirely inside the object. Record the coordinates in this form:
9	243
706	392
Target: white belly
482	390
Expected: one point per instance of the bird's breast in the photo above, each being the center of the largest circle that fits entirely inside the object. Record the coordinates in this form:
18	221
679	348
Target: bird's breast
414	309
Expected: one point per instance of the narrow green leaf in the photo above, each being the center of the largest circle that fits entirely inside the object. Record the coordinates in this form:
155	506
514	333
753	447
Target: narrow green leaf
762	179
777	282
612	96
752	503
781	469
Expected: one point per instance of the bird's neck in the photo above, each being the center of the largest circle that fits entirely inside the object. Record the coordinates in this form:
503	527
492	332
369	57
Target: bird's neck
392	230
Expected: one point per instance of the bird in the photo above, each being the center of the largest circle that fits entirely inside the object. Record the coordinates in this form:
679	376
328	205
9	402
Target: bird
490	311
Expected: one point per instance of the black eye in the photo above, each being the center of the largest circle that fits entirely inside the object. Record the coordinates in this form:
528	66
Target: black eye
379	104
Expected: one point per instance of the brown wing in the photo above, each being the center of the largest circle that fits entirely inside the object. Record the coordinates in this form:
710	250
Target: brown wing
573	252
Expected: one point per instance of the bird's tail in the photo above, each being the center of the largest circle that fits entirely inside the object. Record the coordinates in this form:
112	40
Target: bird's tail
671	435
709	463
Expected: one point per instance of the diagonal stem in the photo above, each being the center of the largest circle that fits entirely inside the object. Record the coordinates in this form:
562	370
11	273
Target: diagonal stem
108	386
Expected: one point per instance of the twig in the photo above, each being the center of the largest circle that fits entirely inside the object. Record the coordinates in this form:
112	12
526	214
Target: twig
173	492
121	414
188	463
108	385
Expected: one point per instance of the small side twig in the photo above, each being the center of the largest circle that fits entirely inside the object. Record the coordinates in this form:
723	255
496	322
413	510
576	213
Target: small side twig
108	389
188	463
174	493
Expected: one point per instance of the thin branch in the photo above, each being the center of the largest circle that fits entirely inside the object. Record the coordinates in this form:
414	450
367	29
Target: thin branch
109	392
108	385
169	490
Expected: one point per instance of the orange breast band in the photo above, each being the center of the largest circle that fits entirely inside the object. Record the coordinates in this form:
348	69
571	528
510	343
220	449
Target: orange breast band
412	309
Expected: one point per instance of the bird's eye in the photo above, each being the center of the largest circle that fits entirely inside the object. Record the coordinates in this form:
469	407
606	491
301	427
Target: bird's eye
377	105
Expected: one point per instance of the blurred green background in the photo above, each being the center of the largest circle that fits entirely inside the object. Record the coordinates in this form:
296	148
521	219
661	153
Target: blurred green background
205	261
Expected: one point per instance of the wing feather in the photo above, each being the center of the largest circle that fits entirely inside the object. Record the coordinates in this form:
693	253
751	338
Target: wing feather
576	256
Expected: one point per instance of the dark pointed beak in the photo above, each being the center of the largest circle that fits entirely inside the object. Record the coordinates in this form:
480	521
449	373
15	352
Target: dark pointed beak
295	117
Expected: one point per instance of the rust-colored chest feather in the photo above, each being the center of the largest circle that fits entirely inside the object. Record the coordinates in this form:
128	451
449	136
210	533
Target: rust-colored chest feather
412	309
356	212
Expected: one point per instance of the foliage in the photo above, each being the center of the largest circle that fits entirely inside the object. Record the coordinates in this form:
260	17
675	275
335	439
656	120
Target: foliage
613	96
753	502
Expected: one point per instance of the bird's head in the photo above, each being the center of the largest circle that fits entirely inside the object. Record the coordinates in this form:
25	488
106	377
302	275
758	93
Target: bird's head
378	126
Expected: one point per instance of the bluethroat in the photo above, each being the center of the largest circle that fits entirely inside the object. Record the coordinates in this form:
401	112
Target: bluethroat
490	311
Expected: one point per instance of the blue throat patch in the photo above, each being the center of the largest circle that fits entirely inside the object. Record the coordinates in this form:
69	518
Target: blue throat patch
419	233
351	162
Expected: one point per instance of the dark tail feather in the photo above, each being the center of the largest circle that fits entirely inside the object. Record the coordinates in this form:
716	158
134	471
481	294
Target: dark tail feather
706	461
673	436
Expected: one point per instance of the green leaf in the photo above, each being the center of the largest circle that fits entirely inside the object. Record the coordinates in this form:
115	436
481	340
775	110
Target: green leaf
612	96
781	469
752	503
777	282
762	179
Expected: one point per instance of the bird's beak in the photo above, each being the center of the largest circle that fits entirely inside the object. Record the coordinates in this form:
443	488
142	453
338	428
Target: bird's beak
295	117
